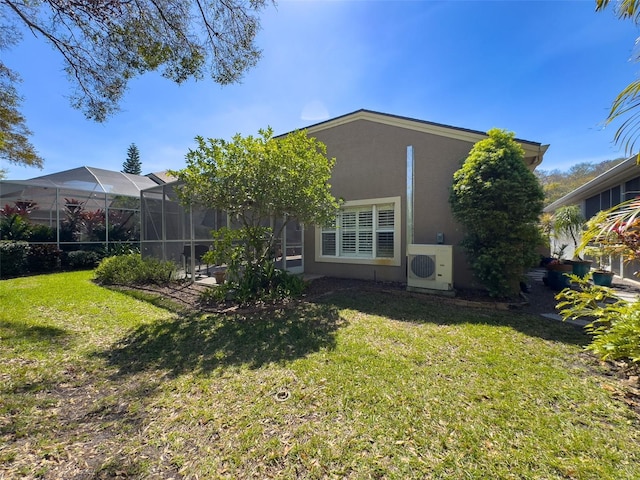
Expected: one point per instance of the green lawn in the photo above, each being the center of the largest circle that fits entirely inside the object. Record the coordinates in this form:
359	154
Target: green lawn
98	384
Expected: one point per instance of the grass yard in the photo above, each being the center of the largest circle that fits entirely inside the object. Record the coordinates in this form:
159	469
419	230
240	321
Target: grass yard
98	384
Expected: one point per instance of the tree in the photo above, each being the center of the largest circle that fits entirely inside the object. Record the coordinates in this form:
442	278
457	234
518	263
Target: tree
106	43
556	183
258	180
498	201
628	100
132	164
14	134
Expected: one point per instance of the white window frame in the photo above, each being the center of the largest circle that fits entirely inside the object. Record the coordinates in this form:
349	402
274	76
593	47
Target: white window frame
366	260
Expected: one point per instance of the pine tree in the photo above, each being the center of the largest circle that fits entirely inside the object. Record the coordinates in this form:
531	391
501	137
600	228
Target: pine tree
132	164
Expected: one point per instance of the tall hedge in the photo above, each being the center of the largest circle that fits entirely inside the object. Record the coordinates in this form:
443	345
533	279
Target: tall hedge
13	258
498	201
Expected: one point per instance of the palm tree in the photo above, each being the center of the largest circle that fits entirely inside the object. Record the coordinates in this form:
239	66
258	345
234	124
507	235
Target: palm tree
629	99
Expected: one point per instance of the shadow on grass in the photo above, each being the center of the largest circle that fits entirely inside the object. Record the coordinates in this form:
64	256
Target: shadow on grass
428	309
202	343
30	333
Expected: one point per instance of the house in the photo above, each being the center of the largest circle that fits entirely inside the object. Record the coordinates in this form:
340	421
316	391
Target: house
395	175
607	190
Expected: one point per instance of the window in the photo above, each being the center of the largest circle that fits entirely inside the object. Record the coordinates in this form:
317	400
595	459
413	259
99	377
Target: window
609	198
632	189
364	230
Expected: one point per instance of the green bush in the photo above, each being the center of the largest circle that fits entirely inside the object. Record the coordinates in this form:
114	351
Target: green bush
264	282
132	269
83	259
123	249
14	227
498	201
43	258
615	323
42	233
13	258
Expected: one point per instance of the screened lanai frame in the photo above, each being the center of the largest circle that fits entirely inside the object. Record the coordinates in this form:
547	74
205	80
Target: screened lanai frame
173	232
84	208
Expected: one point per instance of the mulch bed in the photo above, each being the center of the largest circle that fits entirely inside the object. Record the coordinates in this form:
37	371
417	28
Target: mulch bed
539	299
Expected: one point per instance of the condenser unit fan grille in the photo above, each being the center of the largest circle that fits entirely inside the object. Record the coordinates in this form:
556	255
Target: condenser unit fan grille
423	266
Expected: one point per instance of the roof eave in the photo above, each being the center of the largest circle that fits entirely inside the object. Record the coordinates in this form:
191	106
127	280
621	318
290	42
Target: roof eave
613	176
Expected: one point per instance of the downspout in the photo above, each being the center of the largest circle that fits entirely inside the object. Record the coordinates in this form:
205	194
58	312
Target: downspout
410	188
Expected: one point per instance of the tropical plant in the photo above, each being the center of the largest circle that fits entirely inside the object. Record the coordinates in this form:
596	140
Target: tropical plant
498	201
545	225
92	223
628	100
14	227
569	221
615	324
14	224
71	224
616	229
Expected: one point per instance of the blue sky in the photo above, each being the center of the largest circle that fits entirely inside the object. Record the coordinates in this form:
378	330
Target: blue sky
546	70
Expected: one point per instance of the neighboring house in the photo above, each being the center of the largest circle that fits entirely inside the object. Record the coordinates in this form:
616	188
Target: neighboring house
614	186
395	175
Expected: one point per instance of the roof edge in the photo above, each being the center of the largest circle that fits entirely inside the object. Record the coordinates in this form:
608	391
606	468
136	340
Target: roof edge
408	122
611	177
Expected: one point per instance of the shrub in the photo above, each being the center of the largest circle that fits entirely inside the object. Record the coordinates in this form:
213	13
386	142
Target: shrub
13	258
43	258
615	323
14	227
42	233
83	259
264	283
123	249
498	201
132	269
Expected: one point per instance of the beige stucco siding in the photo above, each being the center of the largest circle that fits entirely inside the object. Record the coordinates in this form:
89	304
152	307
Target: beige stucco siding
371	163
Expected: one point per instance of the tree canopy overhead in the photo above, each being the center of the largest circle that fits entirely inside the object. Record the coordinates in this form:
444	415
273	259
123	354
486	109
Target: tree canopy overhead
105	43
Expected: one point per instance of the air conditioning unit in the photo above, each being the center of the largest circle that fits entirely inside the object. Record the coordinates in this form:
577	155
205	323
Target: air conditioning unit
430	267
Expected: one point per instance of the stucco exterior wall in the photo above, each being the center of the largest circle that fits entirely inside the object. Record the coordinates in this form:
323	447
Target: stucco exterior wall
371	163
